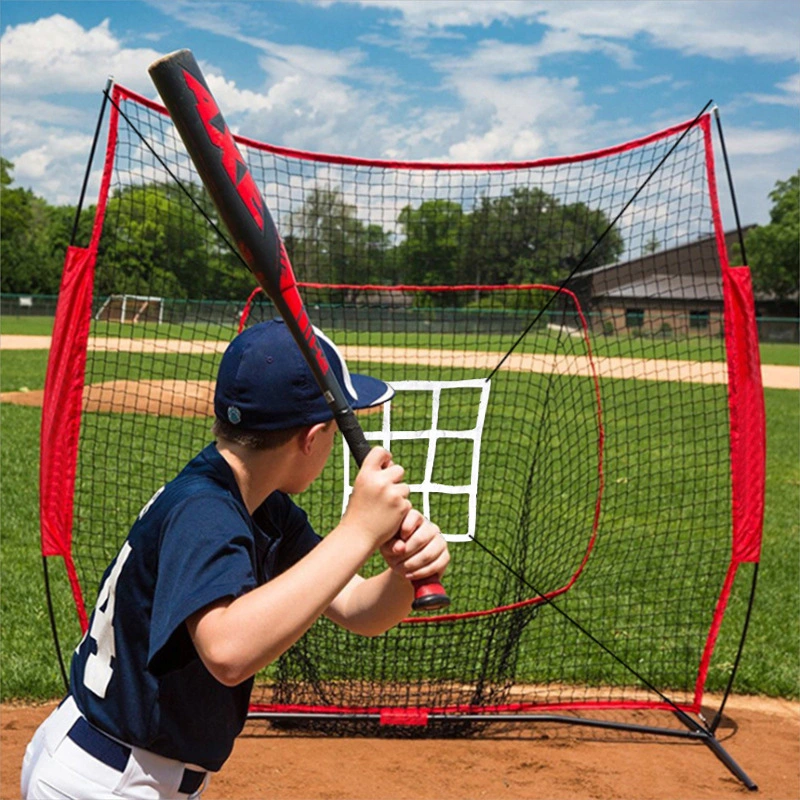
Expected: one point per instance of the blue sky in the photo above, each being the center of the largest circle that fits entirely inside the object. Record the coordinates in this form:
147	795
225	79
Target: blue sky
464	80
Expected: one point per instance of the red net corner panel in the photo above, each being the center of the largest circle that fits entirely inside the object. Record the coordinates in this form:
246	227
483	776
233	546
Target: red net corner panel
578	406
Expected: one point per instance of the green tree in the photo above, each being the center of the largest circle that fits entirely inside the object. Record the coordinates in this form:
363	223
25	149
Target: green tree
529	236
652	245
32	241
432	251
774	250
156	242
328	243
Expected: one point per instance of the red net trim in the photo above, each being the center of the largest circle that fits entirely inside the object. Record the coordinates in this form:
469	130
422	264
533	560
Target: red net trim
485	166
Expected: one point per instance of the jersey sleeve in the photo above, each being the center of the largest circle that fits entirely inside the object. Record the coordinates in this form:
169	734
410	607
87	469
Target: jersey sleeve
297	536
206	554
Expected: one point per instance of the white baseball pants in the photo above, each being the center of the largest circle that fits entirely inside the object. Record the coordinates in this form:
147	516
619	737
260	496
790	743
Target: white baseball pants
65	761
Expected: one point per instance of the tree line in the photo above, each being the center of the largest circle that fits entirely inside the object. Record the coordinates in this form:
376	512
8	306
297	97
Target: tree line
526	236
33	237
155	242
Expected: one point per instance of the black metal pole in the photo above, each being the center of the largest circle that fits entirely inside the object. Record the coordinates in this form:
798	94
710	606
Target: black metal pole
53	624
718	750
725	757
730	184
695	732
100	116
718	716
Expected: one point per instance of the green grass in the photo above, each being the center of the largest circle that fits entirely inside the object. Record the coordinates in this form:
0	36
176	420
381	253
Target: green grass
28	668
787	355
26	326
43	326
22	369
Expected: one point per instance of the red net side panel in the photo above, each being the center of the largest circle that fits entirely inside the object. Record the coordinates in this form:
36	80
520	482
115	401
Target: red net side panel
585	477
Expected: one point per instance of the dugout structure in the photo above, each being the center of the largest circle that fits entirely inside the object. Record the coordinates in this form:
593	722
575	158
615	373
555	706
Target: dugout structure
579	408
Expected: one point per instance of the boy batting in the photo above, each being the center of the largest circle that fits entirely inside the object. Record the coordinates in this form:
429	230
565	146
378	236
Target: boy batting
220	574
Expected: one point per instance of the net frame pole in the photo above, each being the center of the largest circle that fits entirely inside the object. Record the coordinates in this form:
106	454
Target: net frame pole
100	117
694	730
712	727
730	183
729	687
708	737
53	625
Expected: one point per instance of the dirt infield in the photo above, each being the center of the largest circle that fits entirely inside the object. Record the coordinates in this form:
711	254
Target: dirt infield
568	763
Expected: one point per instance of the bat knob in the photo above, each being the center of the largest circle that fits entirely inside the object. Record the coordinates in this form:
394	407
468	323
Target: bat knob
429	596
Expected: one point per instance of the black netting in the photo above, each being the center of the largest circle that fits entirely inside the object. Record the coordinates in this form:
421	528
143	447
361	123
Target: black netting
590	467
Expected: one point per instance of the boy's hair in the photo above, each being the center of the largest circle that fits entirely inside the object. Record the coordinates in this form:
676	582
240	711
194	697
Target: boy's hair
252	440
255	440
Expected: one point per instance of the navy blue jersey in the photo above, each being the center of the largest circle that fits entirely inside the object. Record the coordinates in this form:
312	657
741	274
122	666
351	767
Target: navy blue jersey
136	673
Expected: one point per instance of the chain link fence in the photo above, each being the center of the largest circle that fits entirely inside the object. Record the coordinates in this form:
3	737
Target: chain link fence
770	329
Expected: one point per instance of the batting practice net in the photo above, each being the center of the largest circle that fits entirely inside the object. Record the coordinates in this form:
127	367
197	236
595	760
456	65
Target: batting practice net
578	406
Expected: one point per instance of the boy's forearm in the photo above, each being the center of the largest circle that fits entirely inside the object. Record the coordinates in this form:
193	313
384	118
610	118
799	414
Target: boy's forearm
238	638
371	607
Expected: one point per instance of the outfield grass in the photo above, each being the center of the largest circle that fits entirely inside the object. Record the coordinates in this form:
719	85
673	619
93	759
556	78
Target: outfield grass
770	665
787	355
26	326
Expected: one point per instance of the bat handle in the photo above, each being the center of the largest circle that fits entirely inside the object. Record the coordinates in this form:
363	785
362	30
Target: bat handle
429	595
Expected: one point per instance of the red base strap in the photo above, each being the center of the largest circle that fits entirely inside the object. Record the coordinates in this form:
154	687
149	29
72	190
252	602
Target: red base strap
404	716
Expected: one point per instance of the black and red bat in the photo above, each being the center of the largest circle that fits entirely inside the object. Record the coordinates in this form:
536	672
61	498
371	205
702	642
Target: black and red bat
211	147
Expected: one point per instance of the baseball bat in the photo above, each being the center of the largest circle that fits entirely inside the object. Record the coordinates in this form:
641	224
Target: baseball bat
227	179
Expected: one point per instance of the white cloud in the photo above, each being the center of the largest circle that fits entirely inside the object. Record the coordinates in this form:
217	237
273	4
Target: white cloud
420	14
231	99
722	29
495	101
27	120
791	86
520	119
45	135
788	93
55	167
37	162
646	83
55	54
753	142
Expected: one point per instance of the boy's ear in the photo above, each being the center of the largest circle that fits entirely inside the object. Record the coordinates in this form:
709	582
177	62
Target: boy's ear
307	436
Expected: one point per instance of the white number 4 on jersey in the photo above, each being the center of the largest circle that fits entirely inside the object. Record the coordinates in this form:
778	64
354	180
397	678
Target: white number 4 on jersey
98	670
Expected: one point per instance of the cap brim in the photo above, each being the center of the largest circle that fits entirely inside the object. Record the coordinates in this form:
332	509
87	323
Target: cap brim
371	391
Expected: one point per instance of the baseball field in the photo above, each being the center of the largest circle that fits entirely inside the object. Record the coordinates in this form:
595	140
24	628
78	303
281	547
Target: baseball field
761	727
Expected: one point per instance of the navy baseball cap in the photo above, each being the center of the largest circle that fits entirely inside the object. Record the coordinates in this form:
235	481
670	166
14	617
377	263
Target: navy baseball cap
265	384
